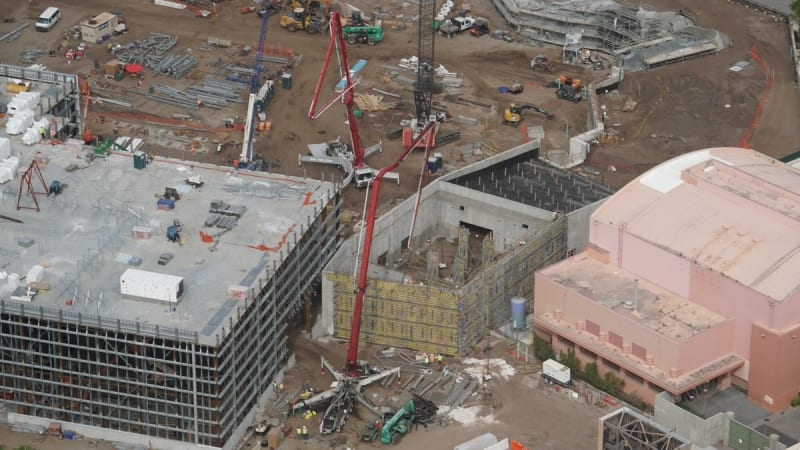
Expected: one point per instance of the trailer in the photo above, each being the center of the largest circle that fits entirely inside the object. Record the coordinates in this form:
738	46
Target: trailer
151	285
100	27
555	372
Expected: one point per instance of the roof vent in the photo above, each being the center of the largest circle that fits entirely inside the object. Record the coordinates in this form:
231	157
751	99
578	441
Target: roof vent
628	304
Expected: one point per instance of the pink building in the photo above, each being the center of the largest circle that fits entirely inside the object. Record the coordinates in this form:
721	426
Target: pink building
691	276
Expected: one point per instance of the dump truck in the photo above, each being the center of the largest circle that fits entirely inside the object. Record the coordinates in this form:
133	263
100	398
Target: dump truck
555	372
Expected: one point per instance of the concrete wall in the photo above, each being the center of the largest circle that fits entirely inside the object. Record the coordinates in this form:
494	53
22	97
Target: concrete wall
508	220
578	227
702	432
774	375
108	434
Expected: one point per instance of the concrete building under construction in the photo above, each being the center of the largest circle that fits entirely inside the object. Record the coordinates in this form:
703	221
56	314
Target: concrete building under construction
642	36
136	307
479	234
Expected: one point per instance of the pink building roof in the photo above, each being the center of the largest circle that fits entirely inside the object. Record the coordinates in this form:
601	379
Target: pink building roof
733	211
656	308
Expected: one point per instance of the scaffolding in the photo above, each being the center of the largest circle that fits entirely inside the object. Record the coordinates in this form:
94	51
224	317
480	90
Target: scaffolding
83	367
449	319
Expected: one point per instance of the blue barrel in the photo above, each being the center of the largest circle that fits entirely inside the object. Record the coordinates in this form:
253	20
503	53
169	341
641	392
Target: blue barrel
439	160
432	165
518	308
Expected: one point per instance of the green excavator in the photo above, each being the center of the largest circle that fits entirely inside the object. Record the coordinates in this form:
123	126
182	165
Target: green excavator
395	428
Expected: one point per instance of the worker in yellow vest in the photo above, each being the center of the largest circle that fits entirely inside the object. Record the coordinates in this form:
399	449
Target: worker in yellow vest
299	433
305	432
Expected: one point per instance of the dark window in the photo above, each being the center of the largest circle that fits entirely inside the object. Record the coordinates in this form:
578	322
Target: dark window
461	207
614	339
635	377
525	226
566	342
639	351
611	365
593	328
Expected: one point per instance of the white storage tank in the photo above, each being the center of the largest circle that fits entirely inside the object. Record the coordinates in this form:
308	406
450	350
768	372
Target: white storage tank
151	285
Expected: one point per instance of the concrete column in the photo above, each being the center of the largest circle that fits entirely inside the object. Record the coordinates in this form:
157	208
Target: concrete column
726	428
773	441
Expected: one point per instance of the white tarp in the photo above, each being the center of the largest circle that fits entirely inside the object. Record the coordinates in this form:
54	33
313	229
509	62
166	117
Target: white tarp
5	147
169	4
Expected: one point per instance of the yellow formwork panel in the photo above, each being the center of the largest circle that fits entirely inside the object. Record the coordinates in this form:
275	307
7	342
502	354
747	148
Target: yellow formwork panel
422	318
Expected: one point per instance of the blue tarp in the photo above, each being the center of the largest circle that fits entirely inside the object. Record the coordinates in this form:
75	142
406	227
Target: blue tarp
354	69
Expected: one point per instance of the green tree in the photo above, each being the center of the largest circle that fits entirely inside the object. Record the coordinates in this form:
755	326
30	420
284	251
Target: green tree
592	375
570	360
796	9
542	349
612	383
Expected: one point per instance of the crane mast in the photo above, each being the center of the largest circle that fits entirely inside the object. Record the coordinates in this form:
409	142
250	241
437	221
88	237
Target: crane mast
423	91
247	143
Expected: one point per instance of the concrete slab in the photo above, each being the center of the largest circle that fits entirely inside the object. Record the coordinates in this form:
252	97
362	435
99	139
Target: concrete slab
785	424
84	237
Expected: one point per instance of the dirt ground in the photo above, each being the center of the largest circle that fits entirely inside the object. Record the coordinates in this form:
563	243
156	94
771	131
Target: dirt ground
701	103
680	108
536	416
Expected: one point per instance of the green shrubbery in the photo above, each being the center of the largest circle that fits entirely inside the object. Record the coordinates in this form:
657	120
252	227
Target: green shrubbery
609	382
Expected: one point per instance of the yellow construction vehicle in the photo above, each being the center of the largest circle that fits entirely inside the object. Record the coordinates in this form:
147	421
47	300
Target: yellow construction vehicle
513	114
314	7
302	20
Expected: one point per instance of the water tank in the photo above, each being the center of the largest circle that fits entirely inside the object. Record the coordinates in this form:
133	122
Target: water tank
518	305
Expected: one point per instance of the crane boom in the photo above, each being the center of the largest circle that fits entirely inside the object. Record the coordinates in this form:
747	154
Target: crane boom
247	143
425	136
338	42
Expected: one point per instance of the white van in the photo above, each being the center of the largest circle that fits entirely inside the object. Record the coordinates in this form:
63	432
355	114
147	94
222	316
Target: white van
48	19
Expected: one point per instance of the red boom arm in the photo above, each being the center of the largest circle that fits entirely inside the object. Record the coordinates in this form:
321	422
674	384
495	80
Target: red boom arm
337	41
425	135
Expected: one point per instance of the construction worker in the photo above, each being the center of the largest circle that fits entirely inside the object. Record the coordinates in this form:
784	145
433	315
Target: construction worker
425	359
41	131
275	386
219	147
299	433
305	432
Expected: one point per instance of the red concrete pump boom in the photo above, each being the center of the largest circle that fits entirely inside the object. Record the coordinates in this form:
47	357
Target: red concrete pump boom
338	42
426	135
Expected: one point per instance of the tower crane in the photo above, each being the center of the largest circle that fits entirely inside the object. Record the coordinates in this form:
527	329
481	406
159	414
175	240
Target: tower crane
352	162
247	143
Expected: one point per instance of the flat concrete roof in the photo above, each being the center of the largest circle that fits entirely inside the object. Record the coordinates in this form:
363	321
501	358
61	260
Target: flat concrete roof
731	210
87	231
660	310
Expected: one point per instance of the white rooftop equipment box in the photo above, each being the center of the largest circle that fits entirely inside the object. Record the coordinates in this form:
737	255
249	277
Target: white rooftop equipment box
151	285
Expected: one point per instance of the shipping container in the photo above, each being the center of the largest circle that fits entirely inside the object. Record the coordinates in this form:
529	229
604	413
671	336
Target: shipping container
151	285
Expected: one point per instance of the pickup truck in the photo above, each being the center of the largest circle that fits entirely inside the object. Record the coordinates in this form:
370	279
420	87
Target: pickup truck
456	25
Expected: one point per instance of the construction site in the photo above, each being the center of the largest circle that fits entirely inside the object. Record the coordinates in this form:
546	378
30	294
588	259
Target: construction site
444	271
241	224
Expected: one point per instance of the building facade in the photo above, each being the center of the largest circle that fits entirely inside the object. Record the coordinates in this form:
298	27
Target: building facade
688	281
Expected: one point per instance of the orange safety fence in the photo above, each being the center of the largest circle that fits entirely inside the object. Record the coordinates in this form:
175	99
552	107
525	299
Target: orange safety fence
265	248
276	50
744	142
